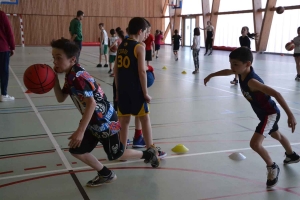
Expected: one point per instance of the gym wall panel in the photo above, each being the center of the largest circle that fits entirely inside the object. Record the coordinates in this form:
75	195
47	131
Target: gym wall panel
48	19
41	29
62	26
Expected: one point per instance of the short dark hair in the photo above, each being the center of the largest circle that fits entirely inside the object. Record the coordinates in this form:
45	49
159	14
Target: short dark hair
101	24
70	48
242	54
79	13
196	31
121	34
176	31
118	29
136	24
148	23
112	31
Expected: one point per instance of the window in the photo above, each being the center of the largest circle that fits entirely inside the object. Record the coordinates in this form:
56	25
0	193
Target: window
229	29
191	7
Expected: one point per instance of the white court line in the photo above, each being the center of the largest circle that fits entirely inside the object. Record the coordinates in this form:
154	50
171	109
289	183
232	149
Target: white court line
137	161
52	139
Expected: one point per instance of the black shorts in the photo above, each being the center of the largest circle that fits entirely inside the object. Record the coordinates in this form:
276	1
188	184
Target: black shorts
148	55
296	55
132	103
175	47
268	124
157	47
111	143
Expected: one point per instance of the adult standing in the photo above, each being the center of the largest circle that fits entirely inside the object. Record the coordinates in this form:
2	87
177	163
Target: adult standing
75	30
7	49
209	37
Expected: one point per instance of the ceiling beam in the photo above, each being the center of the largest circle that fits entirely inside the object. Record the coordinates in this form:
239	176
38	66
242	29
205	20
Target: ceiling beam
213	16
205	12
266	25
165	6
257	20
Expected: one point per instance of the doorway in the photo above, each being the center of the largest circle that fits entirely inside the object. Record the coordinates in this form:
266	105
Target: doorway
189	25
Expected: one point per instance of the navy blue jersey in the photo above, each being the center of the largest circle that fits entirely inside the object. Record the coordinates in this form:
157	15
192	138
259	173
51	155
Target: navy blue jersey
245	41
261	103
127	63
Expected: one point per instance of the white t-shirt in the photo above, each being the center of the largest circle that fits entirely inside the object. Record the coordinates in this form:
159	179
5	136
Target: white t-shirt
111	41
105	37
196	42
296	41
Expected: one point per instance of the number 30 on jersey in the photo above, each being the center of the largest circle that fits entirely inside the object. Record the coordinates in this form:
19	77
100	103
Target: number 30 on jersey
123	61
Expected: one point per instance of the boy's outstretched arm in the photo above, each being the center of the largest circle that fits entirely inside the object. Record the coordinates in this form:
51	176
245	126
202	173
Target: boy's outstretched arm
224	72
60	96
255	85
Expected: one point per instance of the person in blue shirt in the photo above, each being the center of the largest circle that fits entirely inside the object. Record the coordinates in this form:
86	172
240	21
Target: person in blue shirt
259	96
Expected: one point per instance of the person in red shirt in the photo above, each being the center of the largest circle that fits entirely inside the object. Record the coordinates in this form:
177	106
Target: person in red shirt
149	46
158	38
7	49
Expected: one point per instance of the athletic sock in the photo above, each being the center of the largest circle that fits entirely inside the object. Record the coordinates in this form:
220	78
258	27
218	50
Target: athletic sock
137	134
104	172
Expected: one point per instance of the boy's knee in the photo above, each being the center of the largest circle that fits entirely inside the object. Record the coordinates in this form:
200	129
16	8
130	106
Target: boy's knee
255	145
276	135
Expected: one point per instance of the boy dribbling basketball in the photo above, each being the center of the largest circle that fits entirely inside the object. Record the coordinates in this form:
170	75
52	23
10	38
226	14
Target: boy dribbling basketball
99	120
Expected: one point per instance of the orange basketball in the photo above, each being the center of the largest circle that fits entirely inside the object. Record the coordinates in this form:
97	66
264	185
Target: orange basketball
280	10
114	48
289	46
39	78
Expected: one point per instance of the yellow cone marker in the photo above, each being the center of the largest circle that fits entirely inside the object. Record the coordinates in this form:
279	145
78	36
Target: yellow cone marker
180	148
183	72
164	67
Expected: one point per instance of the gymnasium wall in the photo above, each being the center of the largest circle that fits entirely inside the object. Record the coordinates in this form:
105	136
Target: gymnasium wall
45	20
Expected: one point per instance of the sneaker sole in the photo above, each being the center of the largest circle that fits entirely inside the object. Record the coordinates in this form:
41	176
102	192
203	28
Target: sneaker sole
110	181
295	161
163	156
270	186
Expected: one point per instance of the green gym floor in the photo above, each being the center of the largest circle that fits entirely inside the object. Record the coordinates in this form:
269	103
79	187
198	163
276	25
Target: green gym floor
212	122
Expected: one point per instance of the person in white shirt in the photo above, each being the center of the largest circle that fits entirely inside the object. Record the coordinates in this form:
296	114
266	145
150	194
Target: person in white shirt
296	41
113	47
103	45
196	49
